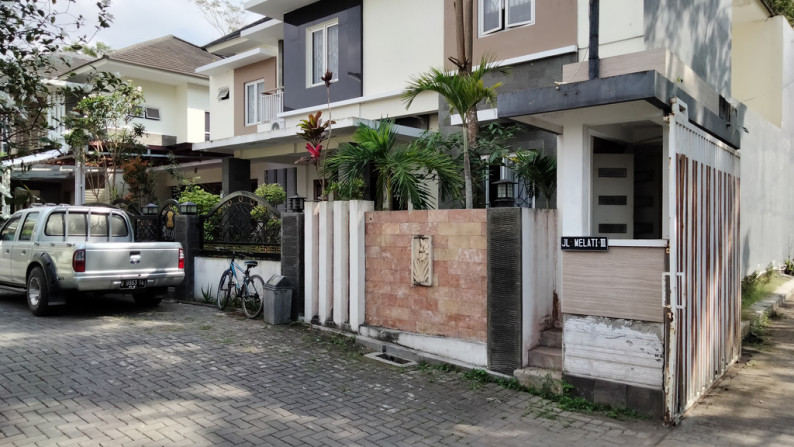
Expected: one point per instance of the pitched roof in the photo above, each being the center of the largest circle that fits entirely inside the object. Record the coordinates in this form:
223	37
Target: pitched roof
167	53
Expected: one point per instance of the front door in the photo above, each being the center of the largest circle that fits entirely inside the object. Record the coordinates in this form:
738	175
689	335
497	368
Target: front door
613	196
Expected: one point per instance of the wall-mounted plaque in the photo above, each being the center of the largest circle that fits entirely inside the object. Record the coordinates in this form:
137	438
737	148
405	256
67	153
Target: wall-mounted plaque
584	243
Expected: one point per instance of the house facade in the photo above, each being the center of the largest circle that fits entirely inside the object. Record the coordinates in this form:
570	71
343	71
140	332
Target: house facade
175	114
270	81
667	132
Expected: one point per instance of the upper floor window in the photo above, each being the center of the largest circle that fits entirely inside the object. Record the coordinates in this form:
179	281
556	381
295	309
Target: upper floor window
206	126
323	54
498	15
254	105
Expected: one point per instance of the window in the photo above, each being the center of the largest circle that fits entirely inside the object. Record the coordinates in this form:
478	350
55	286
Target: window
27	228
10	230
498	15
75	224
54	226
99	225
152	113
118	227
254	104
324	51
206	126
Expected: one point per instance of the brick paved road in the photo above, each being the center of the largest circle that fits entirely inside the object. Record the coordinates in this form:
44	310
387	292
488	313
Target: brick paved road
105	373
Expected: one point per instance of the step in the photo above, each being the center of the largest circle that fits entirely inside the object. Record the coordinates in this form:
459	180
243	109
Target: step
546	357
541	379
551	338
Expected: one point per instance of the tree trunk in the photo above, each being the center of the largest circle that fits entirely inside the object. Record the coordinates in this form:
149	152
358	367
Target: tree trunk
467	169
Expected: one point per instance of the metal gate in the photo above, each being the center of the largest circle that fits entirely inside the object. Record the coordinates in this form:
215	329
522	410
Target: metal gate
704	300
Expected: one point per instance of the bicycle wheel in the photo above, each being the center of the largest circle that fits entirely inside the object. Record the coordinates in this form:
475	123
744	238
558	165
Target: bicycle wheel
252	296
224	289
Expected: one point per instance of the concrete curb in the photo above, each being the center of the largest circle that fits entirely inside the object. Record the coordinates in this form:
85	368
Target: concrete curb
762	308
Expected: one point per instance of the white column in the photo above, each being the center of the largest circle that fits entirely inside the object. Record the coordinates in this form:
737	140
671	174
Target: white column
311	261
79	178
341	261
325	292
358	224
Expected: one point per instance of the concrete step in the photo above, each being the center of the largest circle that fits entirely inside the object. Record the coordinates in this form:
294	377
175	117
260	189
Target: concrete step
551	338
546	357
542	379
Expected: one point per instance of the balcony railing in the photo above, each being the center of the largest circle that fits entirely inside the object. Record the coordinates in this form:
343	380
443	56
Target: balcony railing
271	105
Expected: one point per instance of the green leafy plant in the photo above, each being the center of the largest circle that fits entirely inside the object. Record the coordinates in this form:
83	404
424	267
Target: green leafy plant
403	171
139	180
537	172
274	194
204	200
462	93
351	190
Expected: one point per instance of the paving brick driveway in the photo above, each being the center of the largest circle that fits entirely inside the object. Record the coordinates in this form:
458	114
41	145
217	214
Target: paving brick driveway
106	373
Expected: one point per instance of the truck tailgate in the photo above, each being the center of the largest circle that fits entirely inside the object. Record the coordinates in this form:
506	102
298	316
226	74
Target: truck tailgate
125	259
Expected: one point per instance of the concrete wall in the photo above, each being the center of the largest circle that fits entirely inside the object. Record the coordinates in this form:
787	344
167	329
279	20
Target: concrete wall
394	25
699	33
261	70
207	273
767	205
455	305
221	111
172	110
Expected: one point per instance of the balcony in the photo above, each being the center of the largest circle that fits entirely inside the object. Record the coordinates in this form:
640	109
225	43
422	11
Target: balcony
270	106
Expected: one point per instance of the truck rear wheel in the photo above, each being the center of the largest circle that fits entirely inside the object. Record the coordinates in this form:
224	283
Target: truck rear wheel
38	292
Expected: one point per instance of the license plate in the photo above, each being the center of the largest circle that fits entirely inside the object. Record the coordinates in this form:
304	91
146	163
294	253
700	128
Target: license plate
133	283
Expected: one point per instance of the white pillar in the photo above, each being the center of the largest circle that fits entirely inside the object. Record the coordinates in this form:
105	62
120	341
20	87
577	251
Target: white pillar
341	261
358	223
311	261
79	179
325	292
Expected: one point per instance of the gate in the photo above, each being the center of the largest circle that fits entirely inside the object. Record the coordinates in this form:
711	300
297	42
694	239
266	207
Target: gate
242	223
703	307
151	228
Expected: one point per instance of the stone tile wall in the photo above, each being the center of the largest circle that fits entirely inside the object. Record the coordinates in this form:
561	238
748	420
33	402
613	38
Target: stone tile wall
455	305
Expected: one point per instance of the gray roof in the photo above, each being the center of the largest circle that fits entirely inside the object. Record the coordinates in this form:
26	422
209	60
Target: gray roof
166	53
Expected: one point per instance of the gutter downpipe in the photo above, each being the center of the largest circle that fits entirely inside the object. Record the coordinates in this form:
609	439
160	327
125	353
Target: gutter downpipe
593	48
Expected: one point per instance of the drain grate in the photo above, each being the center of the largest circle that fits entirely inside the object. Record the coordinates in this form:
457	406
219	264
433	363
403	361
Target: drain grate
390	359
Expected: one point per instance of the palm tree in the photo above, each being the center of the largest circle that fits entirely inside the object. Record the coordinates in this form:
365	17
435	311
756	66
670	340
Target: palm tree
402	170
463	93
538	172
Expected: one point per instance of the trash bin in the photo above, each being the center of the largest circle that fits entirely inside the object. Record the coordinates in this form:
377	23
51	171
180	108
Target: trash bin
277	300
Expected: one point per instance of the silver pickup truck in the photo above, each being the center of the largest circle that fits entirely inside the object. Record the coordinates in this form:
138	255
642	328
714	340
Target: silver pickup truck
54	251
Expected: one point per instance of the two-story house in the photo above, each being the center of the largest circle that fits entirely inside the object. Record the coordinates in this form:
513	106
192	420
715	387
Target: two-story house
175	114
270	80
674	121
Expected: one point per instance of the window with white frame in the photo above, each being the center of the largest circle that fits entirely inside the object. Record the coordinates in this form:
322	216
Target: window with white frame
254	105
499	15
323	51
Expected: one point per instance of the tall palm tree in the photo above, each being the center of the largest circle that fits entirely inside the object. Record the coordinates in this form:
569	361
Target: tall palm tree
463	93
402	170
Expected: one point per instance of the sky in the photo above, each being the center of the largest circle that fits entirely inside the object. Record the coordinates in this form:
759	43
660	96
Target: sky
137	21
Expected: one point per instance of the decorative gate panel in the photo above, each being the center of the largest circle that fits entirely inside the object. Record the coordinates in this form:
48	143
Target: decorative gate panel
704	303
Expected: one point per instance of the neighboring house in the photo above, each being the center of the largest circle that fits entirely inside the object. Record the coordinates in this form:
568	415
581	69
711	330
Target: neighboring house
175	114
677	130
269	81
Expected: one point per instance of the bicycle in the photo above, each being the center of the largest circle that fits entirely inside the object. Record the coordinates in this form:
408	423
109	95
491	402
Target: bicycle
249	291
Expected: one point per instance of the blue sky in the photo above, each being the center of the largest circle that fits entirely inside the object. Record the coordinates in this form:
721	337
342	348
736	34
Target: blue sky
140	20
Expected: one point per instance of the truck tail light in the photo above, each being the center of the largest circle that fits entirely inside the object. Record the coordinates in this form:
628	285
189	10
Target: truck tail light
181	259
78	261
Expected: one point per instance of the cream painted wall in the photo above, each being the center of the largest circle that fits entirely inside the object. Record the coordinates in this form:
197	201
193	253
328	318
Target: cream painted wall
197	103
621	28
221	112
412	32
758	68
166	98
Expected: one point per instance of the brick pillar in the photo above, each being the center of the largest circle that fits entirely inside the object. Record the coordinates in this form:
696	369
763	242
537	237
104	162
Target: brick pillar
292	258
187	232
236	175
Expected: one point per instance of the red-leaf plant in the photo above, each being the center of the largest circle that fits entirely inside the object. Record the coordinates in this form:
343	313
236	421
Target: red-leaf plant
314	131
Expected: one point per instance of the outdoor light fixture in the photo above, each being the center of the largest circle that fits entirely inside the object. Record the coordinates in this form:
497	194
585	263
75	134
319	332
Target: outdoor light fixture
150	209
187	208
295	204
505	193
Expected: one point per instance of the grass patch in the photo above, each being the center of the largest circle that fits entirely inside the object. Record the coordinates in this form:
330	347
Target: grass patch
566	401
758	286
